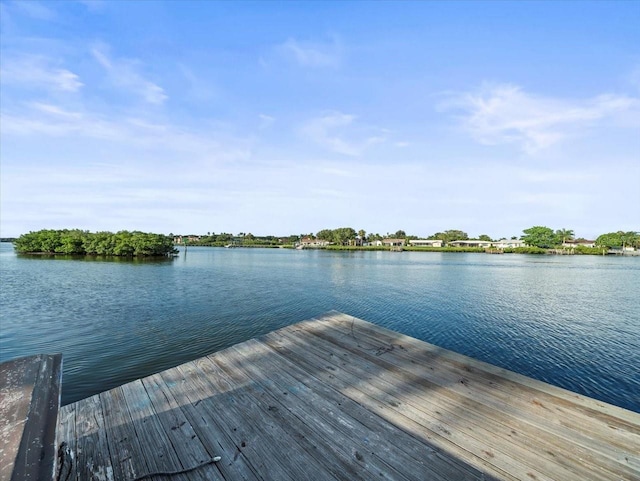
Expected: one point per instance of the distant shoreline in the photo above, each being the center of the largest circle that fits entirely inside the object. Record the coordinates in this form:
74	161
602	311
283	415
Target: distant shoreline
477	250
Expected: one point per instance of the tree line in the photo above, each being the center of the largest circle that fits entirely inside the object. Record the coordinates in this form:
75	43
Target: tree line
136	243
82	242
547	238
536	236
243	238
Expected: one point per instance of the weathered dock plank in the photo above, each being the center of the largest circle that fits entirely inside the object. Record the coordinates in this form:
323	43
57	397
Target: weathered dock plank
93	458
384	399
333	449
472	415
29	405
337	398
159	452
468	433
67	434
124	446
360	432
189	449
587	436
584	426
258	427
250	437
201	410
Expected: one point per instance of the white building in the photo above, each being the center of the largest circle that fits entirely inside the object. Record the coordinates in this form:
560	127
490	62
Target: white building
426	243
470	243
508	244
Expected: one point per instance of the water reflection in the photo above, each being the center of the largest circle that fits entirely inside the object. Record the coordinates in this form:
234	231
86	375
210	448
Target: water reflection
95	258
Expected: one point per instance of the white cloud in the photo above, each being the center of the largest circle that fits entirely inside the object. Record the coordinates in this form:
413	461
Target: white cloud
124	74
38	72
507	114
338	132
309	54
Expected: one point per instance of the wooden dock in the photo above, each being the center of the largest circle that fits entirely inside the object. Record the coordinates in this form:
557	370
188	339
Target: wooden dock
338	398
29	403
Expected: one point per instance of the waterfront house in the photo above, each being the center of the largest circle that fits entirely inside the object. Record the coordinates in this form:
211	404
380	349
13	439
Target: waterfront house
184	239
313	242
426	242
575	243
393	242
508	244
470	243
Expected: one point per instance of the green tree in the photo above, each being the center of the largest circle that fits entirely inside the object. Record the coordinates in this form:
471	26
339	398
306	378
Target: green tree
564	234
540	236
51	241
292	239
449	236
619	240
485	237
75	241
325	235
72	242
629	239
342	235
400	234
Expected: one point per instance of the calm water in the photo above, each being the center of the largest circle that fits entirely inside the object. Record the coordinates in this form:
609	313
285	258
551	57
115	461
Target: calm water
569	320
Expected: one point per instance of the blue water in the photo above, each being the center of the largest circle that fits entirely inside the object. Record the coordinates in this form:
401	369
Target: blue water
573	321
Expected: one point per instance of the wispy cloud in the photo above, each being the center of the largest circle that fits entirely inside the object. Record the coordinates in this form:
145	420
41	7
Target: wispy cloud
198	88
339	133
124	74
633	78
34	10
32	71
94	6
266	121
505	113
313	54
45	119
55	110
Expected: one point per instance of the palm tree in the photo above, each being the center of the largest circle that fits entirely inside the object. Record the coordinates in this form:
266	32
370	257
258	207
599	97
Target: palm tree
565	234
362	233
628	238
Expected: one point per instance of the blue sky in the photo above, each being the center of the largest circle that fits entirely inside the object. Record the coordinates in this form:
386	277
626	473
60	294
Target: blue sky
286	117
